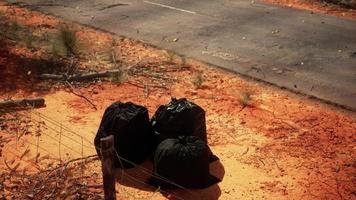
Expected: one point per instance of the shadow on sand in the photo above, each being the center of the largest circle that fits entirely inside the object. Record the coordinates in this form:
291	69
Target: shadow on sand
138	178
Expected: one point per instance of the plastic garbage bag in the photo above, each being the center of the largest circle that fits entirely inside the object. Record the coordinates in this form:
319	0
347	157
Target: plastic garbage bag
179	118
130	125
182	162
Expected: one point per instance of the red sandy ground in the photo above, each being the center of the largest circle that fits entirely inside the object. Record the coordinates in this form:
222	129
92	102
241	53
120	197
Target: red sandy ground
317	6
281	146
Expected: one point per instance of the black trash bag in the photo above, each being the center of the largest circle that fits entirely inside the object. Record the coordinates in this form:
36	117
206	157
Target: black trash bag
179	117
182	162
130	125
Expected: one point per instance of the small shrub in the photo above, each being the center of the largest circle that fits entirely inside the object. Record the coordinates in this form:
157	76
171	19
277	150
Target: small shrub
12	32
15	26
55	50
29	39
183	61
171	56
245	98
2	20
69	39
46	37
118	77
113	58
198	79
350	4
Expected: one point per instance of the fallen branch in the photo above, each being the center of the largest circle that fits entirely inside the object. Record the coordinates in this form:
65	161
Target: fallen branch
98	186
36	103
79	77
80	95
143	86
64	165
12	170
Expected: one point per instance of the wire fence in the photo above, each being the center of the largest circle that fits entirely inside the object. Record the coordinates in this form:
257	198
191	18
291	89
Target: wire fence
51	140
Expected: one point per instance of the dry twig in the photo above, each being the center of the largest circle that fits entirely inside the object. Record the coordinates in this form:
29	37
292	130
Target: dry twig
80	95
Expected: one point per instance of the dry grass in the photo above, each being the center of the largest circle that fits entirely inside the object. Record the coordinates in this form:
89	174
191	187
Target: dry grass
29	40
119	77
197	80
69	40
245	98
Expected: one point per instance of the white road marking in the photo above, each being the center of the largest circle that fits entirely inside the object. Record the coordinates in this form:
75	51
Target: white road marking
170	7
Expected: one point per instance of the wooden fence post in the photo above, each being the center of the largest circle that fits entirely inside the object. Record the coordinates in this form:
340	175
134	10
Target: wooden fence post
107	166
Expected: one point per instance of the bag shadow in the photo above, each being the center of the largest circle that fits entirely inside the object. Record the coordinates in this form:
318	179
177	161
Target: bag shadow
138	178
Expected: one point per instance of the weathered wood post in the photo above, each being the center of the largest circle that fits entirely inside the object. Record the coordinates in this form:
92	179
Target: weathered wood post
107	166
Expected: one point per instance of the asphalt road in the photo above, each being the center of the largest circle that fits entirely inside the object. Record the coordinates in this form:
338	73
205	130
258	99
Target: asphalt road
307	52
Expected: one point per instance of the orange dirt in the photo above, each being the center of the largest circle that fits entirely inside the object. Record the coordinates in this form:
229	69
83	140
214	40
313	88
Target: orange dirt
280	146
317	6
